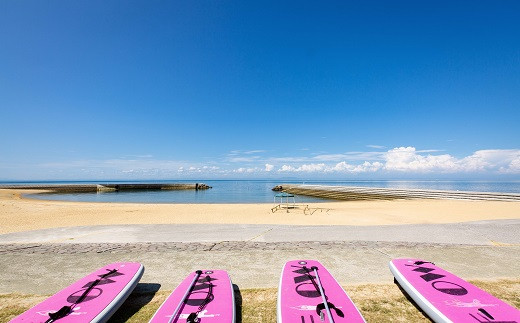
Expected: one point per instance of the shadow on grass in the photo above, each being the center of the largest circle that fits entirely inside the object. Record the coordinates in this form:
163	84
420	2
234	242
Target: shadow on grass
238	304
141	295
405	294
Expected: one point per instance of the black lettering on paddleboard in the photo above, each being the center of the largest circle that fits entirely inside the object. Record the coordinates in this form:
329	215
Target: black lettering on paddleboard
307	290
94	292
310	316
486	313
428	275
449	288
431	276
200	292
303	277
76	296
439	285
304	283
202	284
104	279
484	319
423	269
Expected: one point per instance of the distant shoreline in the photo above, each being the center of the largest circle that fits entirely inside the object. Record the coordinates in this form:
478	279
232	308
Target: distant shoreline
253	192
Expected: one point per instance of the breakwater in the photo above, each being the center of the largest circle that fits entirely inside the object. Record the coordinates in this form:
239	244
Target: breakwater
79	188
352	193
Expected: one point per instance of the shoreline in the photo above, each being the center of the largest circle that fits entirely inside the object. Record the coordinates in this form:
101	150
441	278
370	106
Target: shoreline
19	213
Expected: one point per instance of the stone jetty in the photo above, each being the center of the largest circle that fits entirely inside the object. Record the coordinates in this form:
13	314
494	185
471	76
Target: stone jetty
78	188
351	193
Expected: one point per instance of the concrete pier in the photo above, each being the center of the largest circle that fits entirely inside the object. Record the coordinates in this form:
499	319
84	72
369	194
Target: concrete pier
78	188
351	193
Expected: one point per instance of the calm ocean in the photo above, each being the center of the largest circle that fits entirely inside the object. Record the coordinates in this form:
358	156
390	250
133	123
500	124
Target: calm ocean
259	191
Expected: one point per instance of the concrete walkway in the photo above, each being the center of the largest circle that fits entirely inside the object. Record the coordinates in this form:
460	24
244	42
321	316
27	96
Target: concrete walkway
45	261
470	233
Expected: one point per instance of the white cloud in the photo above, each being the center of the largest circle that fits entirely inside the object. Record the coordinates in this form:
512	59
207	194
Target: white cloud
307	168
243	159
341	167
245	170
289	159
311	168
353	155
397	160
366	167
429	150
407	159
254	152
376	146
329	157
514	166
348	156
210	167
503	160
287	168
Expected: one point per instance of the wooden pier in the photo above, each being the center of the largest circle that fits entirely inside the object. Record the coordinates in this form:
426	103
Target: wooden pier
351	193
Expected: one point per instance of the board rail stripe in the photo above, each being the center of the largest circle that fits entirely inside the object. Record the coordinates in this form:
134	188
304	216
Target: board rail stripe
183	299
121	297
427	307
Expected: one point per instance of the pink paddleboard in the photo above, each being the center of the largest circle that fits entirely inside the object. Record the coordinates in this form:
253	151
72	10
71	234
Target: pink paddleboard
300	298
445	297
210	299
93	298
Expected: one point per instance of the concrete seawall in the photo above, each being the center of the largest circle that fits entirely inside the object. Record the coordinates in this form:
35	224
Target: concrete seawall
351	193
78	188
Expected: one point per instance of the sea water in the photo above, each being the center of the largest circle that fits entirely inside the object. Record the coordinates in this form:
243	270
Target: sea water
259	191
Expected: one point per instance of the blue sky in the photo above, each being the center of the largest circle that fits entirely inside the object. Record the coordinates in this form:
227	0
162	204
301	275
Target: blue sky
239	89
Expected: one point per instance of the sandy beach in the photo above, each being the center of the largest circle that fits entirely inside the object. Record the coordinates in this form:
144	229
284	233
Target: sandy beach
18	213
354	239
